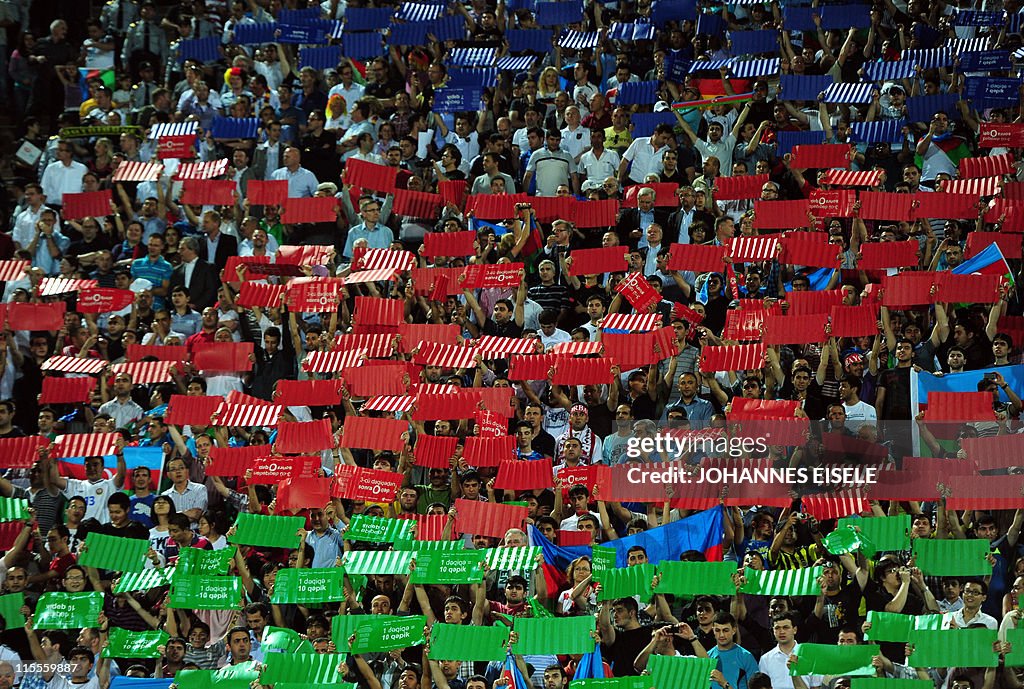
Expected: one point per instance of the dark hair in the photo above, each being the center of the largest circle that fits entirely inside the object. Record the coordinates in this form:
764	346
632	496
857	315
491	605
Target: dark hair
724	617
759	680
181	521
119	499
854	382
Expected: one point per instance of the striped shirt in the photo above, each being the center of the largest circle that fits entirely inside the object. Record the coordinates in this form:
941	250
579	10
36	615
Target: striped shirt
193	497
803	556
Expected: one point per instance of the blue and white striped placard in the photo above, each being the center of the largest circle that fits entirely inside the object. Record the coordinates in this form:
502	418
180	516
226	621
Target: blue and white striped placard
849	93
881	131
889	71
419	12
163	129
471	57
236	127
931	58
709	65
749	69
978	18
621	31
958	46
578	40
516	63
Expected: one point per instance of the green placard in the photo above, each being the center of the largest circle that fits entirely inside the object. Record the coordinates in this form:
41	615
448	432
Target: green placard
464	567
377	633
125	644
952	558
1015	658
829	659
889	626
885	533
378	561
227	677
681	672
10	609
559	635
792	582
306	685
68	610
603	560
198	562
431	546
144	580
308	586
634	682
890	683
306	668
513	558
13	509
953	648
267	530
465	642
284	641
627	581
847	539
693	578
206	593
114	553
342	627
379	529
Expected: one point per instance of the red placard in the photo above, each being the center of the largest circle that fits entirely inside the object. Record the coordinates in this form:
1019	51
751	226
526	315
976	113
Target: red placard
744	409
376	312
208	192
487	518
23	452
489	424
993	135
978	289
314	295
881	205
664	194
833	203
739	187
370	485
743	325
908	289
948	206
520	474
272	192
806	303
986	492
579	371
551	208
312	393
187	410
854	321
987	166
449	244
453	191
779	330
532	367
630	350
608	259
230	271
435	451
1009	244
299	437
310	210
180	146
638	292
104	299
959	407
367	381
809	249
492	207
488	452
260	294
306	255
413	334
995	452
882	255
66	390
732	357
360	173
88	204
299	493
820	156
373	434
591	214
781	215
36	316
699	258
416	204
222	356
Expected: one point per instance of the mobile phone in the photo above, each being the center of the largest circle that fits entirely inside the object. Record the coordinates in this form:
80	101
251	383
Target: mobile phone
990	376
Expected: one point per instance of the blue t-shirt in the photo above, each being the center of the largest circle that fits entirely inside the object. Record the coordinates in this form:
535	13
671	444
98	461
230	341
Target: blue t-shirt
141	509
737	664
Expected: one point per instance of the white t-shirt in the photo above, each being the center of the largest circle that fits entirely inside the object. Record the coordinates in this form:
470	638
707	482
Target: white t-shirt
95	496
859	414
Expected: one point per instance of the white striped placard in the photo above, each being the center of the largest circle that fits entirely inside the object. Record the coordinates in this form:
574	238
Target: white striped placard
633	322
73	364
146	372
209	170
376	275
849	93
748	69
491	345
247	415
137	172
51	287
332	362
374	259
513	558
163	129
578	348
446	356
389	403
13	270
580	40
85	445
378	561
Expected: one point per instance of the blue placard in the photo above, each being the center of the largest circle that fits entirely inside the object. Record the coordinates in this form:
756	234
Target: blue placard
368	18
754	42
676	68
796	87
320	57
645	122
991	92
559	13
306	15
883	131
473	77
253	34
845	17
799	18
299	33
533	40
927	37
362	46
922	108
663	11
711	25
984	61
637	93
457	99
236	127
408	34
977	18
785	141
889	71
449	28
202	49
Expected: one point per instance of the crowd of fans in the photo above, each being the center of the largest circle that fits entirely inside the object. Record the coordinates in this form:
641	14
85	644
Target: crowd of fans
558	133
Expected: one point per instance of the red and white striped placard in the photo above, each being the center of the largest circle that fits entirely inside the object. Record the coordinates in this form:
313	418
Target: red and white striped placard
375	275
490	346
147	372
843	503
746	249
445	356
247	414
635	322
433	389
389	403
577	348
85	445
332	362
138	172
52	287
375	259
73	364
259	294
376	345
13	270
982	186
210	170
849	178
162	129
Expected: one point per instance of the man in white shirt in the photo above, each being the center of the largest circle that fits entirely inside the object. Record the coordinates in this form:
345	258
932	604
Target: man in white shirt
643	157
552	166
599	163
189	498
95	489
63	176
122	408
858	412
25	223
574	136
347	89
774	662
974	594
301	182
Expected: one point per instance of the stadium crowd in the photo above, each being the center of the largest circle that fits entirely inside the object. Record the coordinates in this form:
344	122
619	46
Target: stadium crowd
306	308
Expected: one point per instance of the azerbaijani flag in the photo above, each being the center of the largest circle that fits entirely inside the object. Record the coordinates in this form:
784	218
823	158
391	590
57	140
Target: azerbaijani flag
988	261
953	146
511	674
711	102
150	457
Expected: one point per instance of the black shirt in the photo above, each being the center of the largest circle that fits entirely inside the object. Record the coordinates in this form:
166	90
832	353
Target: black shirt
626	648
